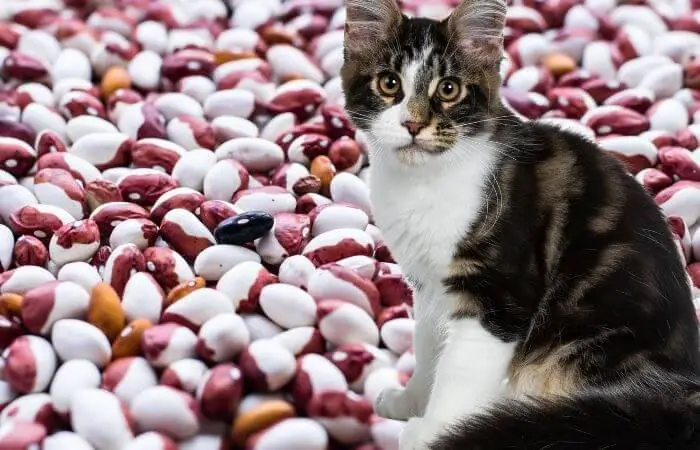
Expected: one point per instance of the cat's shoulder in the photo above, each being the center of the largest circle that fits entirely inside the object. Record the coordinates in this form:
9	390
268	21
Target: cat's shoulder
548	139
561	132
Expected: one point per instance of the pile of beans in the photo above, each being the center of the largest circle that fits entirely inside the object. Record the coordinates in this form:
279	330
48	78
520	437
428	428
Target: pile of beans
187	252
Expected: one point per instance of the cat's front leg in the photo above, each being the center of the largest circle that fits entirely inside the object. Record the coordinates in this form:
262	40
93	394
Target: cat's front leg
430	314
469	378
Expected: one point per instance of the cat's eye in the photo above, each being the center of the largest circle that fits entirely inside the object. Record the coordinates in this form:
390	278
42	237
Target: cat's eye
448	90
388	84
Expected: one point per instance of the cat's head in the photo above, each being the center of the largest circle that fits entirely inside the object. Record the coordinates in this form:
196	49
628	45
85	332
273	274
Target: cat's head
417	87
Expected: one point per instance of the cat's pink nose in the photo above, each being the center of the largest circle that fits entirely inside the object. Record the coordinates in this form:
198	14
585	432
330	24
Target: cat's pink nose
414	127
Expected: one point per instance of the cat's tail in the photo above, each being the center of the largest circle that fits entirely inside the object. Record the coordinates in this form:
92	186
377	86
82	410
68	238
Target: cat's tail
598	421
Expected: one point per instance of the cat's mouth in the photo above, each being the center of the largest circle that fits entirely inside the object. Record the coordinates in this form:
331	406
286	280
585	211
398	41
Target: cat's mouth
417	146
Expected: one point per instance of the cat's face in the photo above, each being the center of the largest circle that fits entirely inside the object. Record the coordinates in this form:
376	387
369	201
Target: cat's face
419	87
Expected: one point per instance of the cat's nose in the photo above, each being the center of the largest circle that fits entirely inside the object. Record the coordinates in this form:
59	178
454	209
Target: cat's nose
414	127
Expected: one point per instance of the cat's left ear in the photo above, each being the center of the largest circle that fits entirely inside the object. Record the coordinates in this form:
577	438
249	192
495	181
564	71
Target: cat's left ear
478	26
370	23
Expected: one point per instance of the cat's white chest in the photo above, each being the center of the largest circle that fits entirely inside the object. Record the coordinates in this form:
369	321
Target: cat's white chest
424	213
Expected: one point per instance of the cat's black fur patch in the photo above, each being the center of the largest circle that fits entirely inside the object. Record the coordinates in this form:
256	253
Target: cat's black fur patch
644	418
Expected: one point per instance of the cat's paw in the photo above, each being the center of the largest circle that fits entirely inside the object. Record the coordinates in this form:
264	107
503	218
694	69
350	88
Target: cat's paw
396	404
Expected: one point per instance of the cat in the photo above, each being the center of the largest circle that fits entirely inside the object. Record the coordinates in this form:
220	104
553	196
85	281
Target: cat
552	309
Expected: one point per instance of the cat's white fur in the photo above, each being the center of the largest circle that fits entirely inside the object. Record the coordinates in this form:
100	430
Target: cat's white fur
425	203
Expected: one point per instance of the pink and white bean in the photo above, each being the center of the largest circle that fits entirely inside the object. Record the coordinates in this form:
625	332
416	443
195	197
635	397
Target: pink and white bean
38	117
220	391
45	304
80	168
288	236
288	175
222	337
109	215
682	199
12	198
124	261
192	132
16	156
18	434
140	232
213	262
357	361
29	364
182	197
397	335
103	150
166	410
35	408
333	216
288	306
81	273
151	440
174	104
638	153
301	341
197	307
66	439
57	187
10	329
343	323
184	374
301	97
198	87
287	60
155	153
364	266
668	115
143	298
393	289
192	168
185	233
291	434
90	403
346	416
75	339
296	271
80	126
167	343
224	179
386	433
77	103
256	154
167	266
229	102
266	365
7	246
272	199
315	375
24	278
334	281
348	188
243	283
72	377
232	127
145	186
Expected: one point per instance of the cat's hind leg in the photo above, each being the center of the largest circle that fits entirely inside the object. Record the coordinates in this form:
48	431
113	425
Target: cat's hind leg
469	377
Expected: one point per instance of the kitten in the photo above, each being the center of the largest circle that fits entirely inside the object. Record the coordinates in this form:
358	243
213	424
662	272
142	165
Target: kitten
552	309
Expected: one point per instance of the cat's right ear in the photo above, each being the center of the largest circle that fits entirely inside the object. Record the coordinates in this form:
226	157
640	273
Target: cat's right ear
477	26
369	23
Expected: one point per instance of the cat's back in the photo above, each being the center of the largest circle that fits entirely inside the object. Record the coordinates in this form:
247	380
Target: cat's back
592	189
